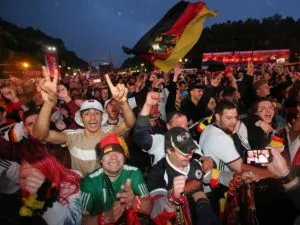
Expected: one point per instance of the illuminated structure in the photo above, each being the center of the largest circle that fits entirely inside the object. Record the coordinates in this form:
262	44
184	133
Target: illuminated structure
278	55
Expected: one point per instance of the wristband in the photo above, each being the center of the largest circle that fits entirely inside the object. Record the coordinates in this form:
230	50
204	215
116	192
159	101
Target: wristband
100	218
175	201
137	203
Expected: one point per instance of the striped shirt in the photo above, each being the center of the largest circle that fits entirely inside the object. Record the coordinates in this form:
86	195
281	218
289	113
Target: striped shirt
82	150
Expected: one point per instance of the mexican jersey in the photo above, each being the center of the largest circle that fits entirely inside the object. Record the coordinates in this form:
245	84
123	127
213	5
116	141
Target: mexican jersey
98	193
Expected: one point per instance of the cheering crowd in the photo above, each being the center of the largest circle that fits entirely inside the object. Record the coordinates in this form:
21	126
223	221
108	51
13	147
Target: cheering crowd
152	148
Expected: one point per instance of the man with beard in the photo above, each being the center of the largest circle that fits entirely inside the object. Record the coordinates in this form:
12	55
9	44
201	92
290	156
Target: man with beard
215	141
226	140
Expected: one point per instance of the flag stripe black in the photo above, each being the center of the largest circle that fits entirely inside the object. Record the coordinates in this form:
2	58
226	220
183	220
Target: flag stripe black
165	24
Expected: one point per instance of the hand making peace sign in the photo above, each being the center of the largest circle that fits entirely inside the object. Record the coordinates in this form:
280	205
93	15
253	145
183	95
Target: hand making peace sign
48	87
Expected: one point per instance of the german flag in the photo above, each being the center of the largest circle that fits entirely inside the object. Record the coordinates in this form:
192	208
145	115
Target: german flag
173	36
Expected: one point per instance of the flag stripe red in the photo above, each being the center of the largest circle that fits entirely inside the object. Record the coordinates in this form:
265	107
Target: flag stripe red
191	11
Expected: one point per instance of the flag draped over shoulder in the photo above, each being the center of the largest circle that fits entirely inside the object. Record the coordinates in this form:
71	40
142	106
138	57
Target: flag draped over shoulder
173	36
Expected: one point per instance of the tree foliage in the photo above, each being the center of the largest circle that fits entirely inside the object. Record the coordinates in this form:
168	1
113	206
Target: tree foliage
28	41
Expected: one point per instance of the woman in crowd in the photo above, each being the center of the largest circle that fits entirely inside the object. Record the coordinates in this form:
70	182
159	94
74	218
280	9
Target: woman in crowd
260	122
261	129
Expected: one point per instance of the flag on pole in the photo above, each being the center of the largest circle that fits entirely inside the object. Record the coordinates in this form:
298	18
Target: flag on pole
173	36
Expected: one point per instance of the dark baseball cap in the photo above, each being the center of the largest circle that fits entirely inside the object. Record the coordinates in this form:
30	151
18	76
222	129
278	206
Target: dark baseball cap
180	139
196	86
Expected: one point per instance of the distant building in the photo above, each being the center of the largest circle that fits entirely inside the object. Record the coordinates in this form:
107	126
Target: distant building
105	67
276	55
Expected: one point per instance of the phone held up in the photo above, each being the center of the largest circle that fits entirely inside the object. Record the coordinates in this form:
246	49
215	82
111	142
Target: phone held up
51	60
259	157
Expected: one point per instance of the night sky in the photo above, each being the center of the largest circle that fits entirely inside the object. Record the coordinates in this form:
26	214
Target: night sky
93	28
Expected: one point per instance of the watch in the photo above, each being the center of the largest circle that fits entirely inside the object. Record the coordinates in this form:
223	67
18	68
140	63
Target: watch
287	179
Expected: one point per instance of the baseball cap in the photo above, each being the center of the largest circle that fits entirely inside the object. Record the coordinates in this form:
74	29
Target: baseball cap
196	86
181	139
107	102
88	104
112	143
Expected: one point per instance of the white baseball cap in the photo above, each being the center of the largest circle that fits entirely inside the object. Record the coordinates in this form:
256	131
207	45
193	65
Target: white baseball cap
107	102
88	104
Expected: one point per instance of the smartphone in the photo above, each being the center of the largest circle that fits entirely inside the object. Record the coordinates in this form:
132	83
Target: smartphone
259	157
51	60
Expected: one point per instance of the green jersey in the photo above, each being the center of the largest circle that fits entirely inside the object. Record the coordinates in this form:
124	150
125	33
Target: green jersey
98	193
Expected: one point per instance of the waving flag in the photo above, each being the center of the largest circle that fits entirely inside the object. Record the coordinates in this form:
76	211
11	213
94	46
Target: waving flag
173	36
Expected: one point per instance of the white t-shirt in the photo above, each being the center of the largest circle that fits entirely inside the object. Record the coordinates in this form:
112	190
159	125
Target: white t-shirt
219	146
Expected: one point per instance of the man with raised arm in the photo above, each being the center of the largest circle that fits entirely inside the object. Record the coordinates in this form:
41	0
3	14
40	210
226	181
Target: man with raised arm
81	143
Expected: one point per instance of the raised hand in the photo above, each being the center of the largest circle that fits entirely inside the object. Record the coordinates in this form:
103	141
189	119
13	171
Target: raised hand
215	82
278	165
157	83
250	68
152	77
119	92
177	72
30	179
48	87
127	197
152	98
9	94
267	128
207	163
178	186
60	125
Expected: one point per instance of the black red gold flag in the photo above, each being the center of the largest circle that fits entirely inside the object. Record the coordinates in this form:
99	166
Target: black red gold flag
173	36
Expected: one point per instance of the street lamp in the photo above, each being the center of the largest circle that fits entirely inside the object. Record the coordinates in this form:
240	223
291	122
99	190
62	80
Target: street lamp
25	65
185	59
